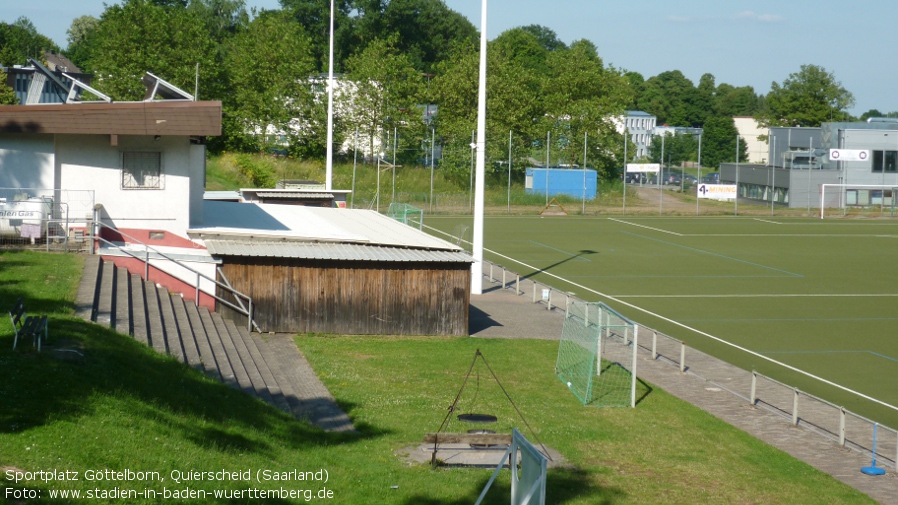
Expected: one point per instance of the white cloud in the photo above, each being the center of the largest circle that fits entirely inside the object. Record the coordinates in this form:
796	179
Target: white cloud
763	18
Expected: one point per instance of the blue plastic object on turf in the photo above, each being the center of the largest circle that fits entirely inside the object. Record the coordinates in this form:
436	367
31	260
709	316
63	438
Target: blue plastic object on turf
873	469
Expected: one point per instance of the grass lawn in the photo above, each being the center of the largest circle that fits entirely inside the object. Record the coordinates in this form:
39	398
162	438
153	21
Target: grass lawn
123	407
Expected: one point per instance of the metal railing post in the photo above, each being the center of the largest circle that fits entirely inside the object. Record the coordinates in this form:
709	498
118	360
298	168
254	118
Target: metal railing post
795	407
567	306
682	357
146	264
491	271
842	427
534	292
503	278
549	300
197	300
517	285
754	387
249	317
654	345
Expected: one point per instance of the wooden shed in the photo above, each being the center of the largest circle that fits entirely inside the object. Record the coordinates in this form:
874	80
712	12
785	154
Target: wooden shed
341	271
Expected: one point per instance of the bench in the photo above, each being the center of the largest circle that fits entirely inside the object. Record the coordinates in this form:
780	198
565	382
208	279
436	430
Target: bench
27	326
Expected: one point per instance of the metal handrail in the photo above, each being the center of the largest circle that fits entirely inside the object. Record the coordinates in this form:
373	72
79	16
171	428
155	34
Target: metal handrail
245	310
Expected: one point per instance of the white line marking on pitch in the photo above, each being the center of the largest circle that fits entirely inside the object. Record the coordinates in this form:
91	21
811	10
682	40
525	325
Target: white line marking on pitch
646	227
766	221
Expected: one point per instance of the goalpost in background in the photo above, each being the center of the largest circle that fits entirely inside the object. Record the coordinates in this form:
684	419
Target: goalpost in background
881	198
597	355
407	214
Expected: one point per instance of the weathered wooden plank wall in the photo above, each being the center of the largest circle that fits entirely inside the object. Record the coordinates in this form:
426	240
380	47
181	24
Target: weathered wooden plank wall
354	298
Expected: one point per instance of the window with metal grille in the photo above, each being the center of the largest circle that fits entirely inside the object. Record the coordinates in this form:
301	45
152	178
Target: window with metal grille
141	170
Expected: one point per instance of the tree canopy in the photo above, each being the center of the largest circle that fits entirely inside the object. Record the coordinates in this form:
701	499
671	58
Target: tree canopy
806	98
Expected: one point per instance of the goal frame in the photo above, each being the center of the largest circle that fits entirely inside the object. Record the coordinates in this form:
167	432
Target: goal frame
842	187
594	332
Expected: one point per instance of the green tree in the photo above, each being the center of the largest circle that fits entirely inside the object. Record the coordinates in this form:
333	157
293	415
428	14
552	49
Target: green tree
314	17
20	40
269	65
384	93
547	38
522	47
673	99
139	36
677	149
806	98
733	101
580	97
7	95
513	106
719	142
79	37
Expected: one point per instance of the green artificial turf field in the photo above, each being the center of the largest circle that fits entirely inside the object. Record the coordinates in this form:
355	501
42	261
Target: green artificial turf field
817	295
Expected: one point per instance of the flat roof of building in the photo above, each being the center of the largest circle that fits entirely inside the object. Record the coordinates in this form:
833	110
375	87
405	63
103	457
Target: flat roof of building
265	222
173	117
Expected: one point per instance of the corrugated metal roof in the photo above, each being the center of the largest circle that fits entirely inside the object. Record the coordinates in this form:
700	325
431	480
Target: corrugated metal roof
296	195
329	251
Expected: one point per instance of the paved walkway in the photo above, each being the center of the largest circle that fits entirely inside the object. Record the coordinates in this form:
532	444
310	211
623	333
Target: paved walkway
498	313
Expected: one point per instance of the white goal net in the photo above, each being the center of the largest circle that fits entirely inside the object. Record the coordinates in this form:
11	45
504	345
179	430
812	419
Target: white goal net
874	200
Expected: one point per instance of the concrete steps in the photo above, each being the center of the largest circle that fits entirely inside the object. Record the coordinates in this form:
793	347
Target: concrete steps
271	369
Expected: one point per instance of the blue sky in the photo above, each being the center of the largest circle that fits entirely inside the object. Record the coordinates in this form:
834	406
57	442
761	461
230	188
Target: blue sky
740	42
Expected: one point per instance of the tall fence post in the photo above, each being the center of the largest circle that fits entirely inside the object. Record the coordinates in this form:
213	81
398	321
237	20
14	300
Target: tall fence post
654	345
517	285
754	387
842	427
146	264
534	292
491	271
197	299
567	306
682	357
503	278
795	407
549	300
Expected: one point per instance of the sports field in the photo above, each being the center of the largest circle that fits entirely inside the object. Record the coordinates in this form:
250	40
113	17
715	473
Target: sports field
821	296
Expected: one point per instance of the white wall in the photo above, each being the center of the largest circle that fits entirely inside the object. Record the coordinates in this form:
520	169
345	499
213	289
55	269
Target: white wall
26	161
750	131
91	162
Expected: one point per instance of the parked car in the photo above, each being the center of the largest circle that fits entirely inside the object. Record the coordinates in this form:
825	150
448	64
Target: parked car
690	180
672	179
712	178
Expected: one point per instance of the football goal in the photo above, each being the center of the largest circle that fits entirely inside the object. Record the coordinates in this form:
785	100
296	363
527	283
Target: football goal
597	355
407	214
864	199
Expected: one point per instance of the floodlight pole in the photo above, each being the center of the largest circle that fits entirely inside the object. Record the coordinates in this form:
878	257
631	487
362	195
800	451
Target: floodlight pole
477	249
585	139
698	181
736	200
329	163
355	158
660	176
548	140
624	178
393	197
810	157
509	171
773	177
433	140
